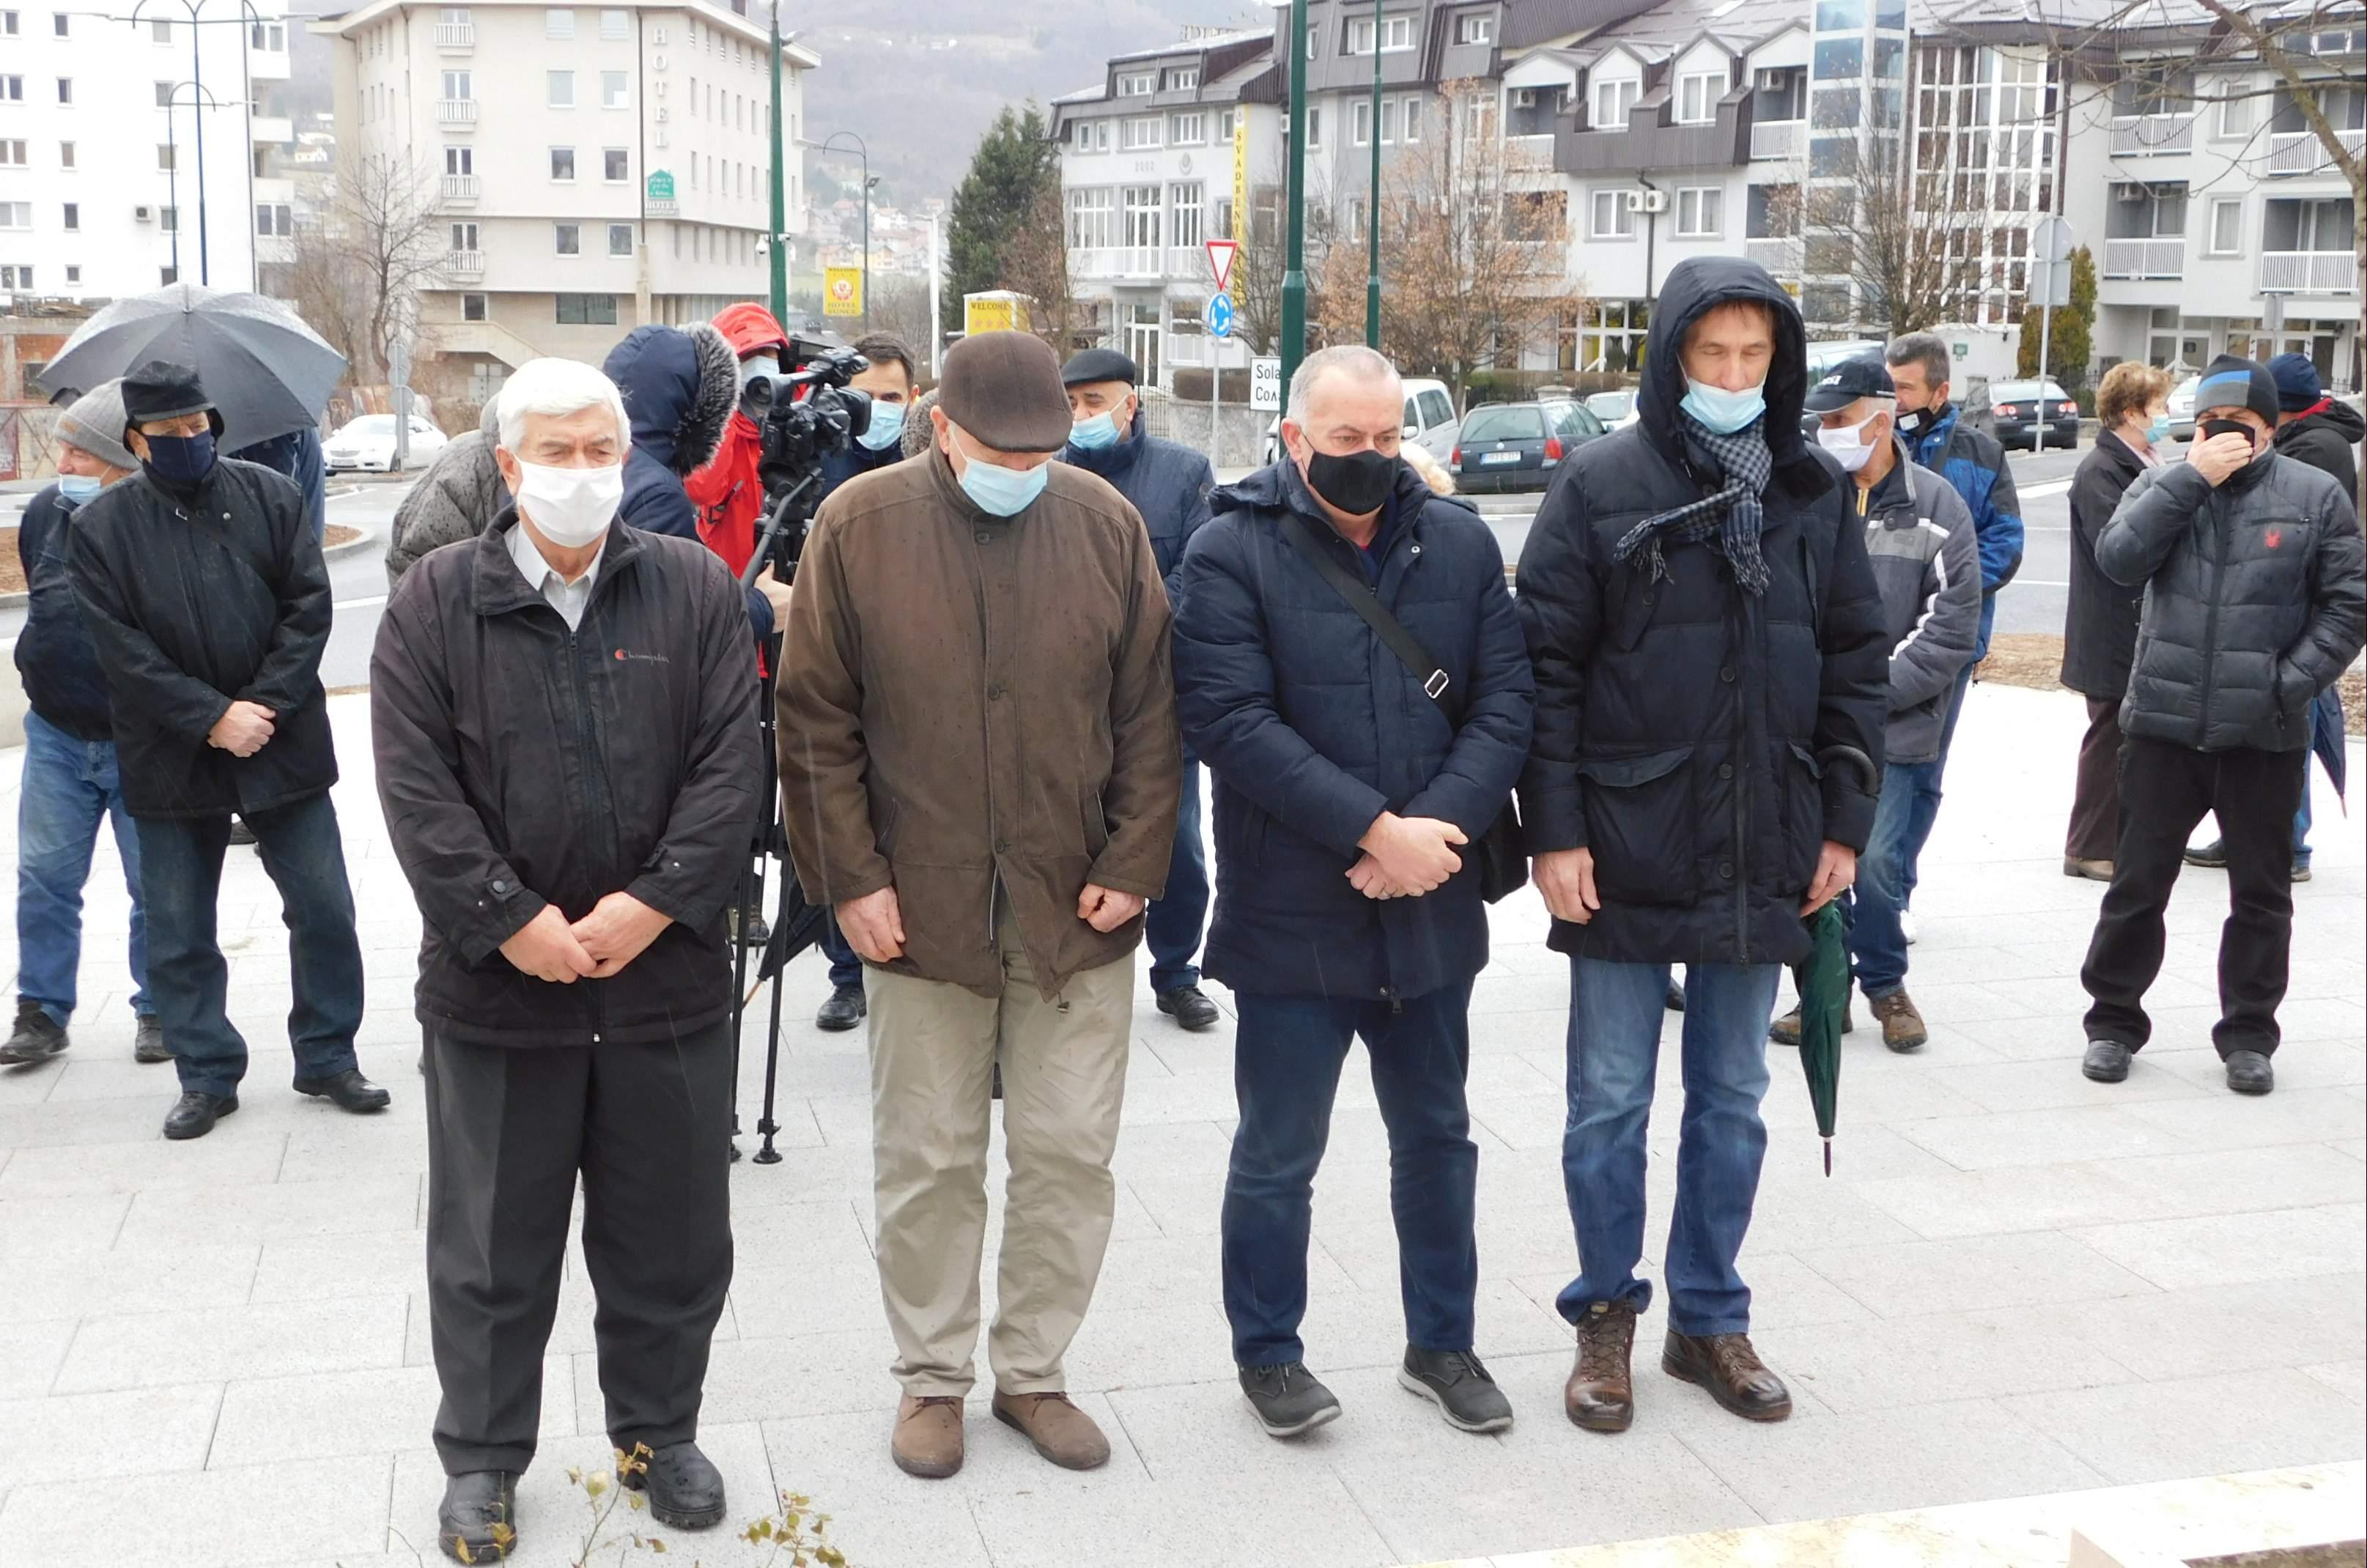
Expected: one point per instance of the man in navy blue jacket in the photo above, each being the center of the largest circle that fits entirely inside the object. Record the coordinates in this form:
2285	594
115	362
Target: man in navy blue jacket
1169	484
1348	806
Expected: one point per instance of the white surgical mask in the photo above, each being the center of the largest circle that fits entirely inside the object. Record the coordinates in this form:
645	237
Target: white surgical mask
571	507
1848	444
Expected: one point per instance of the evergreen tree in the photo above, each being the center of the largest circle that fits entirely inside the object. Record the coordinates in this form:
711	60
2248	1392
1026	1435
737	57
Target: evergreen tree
1015	163
2069	340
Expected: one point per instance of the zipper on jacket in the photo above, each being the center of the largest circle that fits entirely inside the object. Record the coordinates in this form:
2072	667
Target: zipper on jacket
2216	566
590	805
986	726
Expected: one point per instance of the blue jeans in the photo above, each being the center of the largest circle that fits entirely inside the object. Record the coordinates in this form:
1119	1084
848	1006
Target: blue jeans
845	969
2301	817
1877	946
181	863
1927	790
1286	1058
1173	926
1614	1047
69	788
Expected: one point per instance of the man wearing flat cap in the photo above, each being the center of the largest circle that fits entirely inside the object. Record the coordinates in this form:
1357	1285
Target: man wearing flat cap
206	597
979	768
1168	483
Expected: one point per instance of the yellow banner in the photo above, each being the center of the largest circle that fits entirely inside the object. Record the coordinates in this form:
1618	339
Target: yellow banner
841	291
1241	173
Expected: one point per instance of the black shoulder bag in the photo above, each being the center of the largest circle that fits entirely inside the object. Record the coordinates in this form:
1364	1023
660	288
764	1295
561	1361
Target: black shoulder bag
1503	867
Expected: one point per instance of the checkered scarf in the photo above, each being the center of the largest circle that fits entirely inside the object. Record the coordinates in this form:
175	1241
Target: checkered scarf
1728	521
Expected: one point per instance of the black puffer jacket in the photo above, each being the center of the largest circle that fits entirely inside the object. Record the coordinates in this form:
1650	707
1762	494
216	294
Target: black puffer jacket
1685	729
2100	622
62	681
195	599
520	763
2327	440
2254	601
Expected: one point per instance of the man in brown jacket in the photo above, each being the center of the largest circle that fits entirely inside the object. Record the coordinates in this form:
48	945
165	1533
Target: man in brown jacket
981	769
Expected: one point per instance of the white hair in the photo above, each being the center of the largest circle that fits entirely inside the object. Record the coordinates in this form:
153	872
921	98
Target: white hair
557	388
1350	359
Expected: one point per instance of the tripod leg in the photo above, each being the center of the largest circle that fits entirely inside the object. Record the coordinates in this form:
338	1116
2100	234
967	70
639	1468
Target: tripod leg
766	1125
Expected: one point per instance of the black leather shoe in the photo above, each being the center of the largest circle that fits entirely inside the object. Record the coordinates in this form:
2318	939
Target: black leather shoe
1189	1006
684	1488
195	1114
148	1041
2107	1061
347	1090
477	1521
2213	855
36	1037
1731	1371
844	1009
2248	1073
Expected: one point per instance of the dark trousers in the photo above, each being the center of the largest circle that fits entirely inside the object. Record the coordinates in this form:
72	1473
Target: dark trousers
1172	928
180	878
2095	831
648	1128
2165	790
846	968
1286	1057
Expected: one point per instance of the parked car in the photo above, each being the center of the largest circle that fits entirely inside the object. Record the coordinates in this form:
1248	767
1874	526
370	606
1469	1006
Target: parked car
2181	409
1509	446
2015	406
1429	419
1615	410
366	443
1823	356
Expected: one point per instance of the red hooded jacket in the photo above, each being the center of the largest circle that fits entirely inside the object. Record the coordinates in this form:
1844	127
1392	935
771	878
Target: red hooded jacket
727	491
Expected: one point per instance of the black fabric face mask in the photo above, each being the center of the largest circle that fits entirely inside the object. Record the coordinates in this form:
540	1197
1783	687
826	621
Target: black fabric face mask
1355	483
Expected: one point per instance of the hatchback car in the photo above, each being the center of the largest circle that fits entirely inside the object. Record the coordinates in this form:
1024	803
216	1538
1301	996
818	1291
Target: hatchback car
366	443
1616	409
1515	446
2181	409
2015	406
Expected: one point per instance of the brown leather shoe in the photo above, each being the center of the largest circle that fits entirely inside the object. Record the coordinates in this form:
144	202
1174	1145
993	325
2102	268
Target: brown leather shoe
928	1438
1600	1394
1786	1031
1061	1432
2087	870
1727	1366
1902	1026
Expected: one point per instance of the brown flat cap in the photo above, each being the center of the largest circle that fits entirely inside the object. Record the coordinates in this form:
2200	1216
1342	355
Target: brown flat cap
1004	389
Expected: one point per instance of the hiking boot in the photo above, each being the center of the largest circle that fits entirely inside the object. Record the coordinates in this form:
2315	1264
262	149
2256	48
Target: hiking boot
36	1037
2107	1061
844	1009
927	1441
1059	1431
1601	1392
477	1521
1731	1371
1786	1031
1459	1386
2248	1073
1189	1006
684	1488
2091	870
148	1041
1902	1026
2213	855
1288	1398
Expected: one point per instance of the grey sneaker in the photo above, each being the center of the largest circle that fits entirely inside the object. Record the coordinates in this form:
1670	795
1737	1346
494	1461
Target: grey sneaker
1288	1398
148	1041
1459	1386
36	1037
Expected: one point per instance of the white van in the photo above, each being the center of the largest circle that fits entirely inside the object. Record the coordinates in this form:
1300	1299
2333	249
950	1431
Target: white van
1429	419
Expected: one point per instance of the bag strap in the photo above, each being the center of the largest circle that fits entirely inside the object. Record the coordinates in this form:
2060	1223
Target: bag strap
1365	599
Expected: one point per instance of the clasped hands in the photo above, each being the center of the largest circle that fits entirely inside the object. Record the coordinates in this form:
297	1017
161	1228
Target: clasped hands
551	947
874	924
1405	857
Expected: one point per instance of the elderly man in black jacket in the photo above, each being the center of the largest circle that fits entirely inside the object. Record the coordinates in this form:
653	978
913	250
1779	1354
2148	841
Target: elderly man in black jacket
1712	686
2254	603
568	770
205	594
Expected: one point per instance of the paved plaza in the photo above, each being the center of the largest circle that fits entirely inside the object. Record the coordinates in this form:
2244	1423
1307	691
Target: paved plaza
2015	1282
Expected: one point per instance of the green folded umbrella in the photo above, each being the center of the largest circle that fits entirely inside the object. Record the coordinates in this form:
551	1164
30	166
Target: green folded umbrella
1823	978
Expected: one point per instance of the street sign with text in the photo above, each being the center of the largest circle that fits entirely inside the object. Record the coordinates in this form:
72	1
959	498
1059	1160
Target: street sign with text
1265	385
841	291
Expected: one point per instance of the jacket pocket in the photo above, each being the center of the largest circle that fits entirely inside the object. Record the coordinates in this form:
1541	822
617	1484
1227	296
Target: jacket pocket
1804	815
1097	835
1641	826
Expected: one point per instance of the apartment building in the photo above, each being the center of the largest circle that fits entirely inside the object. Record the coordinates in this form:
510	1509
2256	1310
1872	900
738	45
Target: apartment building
591	169
104	190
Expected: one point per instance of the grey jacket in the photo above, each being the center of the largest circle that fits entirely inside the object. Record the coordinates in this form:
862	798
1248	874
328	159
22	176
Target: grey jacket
1919	534
456	499
2255	601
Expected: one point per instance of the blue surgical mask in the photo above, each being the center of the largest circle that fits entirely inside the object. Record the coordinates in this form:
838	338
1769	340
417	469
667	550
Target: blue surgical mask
78	488
886	426
181	460
2159	431
1003	493
1724	413
1093	434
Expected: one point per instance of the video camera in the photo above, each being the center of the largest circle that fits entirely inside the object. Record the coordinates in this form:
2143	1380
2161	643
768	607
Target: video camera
805	415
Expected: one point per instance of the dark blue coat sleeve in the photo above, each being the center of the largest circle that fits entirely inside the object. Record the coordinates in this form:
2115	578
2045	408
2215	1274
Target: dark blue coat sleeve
1498	704
1562	619
1192	503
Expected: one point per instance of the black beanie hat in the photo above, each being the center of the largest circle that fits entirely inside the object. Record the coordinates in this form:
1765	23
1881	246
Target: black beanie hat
2234	382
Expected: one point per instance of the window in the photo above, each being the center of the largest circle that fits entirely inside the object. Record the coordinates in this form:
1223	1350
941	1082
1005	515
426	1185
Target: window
464	236
1184	79
587	310
2235	110
1187	130
615	90
160	31
1697	97
568	239
1225	228
1135	135
72	214
16	277
1314	127
66	155
20	214
1360	123
473	307
168	218
558	24
616	165
1225	121
1093	220
169	275
1475	27
8	24
1701	211
559	91
616	25
65	89
73	273
1413	131
1142	216
459	160
1611	218
1397	33
562	164
165	154
58	24
620	239
1187	205
2227	225
274	219
456	85
1612	100
12	89
1136	85
12	154
270	36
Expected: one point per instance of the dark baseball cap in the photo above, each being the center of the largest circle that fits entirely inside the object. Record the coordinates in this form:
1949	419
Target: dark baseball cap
1848	381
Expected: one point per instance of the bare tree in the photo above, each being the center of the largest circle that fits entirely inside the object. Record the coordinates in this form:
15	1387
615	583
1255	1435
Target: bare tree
1919	246
382	239
899	305
1258	265
1034	262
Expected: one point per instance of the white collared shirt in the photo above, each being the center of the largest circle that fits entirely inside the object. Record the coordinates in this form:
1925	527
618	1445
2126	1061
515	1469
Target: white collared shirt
567	598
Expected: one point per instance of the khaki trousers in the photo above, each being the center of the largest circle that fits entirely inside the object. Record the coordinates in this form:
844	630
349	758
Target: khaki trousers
934	1047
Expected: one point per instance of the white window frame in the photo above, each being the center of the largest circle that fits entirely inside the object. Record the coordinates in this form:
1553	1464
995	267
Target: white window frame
1141	133
1474	27
1360	123
1702	110
1184	79
626	231
467	84
483	303
1622	221
1314	127
1140	223
70	216
1226	121
464	230
556	155
9	24
616	27
624	152
1701	199
1187	197
2211	233
1093	218
459	158
16	215
1187	129
1137	84
13	154
559	23
555	84
1409	118
559	235
2234	100
616	89
1616	93
73	273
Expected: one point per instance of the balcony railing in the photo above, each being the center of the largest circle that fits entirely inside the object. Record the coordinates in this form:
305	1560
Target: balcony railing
1780	256
2308	272
1151	263
1777	138
1529	152
2301	152
2139	134
465	264
455	35
459	188
455	111
2145	258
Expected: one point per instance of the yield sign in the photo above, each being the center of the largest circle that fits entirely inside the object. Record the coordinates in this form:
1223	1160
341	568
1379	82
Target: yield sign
1220	261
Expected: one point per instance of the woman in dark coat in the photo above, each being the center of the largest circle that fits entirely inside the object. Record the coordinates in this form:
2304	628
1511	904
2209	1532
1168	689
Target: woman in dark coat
2099	626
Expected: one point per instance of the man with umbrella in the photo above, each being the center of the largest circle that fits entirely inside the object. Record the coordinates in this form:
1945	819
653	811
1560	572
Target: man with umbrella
209	604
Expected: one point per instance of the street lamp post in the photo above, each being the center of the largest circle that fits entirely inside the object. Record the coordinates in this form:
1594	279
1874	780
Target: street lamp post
776	252
1294	257
863	153
173	174
248	15
1373	202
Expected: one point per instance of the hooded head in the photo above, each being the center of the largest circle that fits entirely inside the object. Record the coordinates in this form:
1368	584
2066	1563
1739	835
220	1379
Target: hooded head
750	329
680	385
1694	288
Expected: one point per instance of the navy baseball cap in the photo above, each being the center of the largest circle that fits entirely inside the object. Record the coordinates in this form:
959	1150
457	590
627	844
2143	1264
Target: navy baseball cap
1848	381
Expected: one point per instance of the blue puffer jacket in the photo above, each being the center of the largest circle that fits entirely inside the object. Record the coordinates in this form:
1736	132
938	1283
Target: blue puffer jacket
680	385
1974	462
1168	483
1313	728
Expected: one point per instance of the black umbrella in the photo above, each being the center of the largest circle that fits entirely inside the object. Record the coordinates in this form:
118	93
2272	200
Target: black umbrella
265	370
